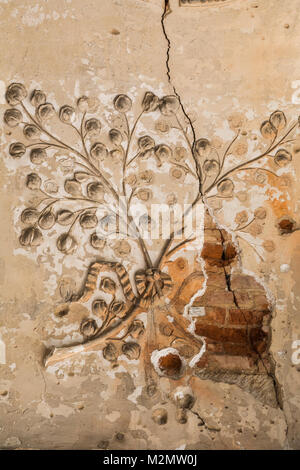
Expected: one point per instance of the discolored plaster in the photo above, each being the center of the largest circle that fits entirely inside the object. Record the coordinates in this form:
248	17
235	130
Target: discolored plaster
230	67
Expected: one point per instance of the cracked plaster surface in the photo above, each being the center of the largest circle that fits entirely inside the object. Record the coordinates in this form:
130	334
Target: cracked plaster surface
247	69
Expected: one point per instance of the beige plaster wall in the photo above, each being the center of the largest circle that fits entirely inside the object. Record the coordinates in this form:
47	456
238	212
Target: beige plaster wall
236	61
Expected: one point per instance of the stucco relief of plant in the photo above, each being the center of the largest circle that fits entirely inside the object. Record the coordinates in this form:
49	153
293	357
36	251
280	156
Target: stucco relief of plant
91	187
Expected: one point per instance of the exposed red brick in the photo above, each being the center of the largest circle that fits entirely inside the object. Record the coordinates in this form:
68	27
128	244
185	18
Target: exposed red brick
215	297
244	317
242	281
212	314
237	349
170	365
233	335
229	251
212	251
226	362
244	299
258	339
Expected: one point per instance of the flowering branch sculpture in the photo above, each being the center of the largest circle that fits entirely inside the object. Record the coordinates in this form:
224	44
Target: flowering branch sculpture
92	187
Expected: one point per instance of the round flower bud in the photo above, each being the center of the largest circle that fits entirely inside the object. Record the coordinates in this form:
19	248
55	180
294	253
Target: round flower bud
66	243
119	309
65	217
83	104
97	242
278	120
47	220
38	156
145	142
92	126
176	173
108	285
131	350
202	147
110	352
282	157
33	181
37	98
29	216
211	167
31	132
95	191
73	187
100	308
115	136
145	177
67	114
168	105
12	117
45	111
17	149
136	329
99	151
88	327
122	103
162	152
88	219
144	194
15	93
180	154
268	131
260	213
31	236
226	187
150	102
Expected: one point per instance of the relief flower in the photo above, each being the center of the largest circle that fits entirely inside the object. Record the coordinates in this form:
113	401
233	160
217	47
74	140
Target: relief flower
115	136
88	327
37	156
100	308
31	132
17	149
33	181
31	236
97	242
67	114
150	102
15	93
12	117
145	142
110	352
66	243
99	151
108	285
37	98
131	350
169	105
45	111
92	126
122	103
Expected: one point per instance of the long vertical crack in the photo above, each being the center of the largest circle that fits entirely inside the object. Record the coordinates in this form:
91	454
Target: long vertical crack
167	10
271	373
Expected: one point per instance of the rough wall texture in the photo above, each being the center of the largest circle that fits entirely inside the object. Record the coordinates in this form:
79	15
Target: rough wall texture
111	343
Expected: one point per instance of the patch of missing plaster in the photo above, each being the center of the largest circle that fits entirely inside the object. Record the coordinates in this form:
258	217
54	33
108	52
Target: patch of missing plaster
158	354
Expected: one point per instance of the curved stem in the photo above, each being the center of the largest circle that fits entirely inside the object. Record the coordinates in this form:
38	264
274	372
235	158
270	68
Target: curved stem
130	135
264	154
